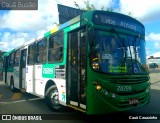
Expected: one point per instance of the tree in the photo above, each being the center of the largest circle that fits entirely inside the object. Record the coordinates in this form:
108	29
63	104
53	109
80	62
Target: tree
90	7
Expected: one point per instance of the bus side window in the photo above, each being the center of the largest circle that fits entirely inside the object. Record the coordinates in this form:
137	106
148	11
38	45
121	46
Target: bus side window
60	53
31	54
17	58
55	51
23	58
11	59
41	55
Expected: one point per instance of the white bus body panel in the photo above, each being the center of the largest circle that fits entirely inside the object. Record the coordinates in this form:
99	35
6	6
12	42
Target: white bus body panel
36	84
24	78
16	77
9	74
39	81
29	79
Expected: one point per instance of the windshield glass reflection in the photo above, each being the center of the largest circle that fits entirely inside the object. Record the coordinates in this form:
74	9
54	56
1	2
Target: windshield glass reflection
115	53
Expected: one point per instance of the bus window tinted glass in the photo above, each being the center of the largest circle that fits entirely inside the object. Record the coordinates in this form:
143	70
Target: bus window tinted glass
31	54
41	51
118	54
55	52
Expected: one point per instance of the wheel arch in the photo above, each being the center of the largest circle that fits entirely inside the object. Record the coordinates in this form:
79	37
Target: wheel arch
49	84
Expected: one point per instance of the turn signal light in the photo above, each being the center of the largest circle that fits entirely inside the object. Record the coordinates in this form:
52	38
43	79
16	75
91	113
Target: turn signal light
99	87
95	83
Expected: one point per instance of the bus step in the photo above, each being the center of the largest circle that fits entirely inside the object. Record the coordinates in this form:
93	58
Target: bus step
76	108
23	90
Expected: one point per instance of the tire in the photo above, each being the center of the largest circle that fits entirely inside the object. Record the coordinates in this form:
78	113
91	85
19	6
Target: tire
13	89
52	99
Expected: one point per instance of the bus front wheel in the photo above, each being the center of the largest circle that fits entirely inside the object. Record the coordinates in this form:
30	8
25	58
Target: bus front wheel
52	98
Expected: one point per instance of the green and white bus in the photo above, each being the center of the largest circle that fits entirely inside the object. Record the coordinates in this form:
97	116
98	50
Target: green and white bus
94	63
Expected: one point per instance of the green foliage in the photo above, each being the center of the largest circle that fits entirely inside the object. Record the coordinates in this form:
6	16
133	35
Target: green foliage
90	7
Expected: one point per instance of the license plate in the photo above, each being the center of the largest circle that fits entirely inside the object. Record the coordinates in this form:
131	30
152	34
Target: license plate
133	101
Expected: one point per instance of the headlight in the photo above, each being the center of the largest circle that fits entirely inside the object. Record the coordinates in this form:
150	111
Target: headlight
95	65
106	92
113	95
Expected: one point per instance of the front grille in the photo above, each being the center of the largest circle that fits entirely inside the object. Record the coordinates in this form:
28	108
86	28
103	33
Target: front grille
130	93
129	80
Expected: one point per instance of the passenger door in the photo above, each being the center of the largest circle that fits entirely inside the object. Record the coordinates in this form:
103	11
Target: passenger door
77	68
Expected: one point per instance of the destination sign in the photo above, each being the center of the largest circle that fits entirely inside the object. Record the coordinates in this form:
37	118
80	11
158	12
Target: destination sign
119	20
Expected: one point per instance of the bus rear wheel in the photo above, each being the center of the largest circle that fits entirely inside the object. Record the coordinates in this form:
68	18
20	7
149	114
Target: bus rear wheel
52	98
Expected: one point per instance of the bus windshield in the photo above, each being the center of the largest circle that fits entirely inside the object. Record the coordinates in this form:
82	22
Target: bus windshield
118	54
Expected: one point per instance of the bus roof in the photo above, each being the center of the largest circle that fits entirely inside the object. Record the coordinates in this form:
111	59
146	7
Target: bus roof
57	28
8	53
120	20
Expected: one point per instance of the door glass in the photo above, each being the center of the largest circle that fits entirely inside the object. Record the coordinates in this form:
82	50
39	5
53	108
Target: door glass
77	68
83	68
74	66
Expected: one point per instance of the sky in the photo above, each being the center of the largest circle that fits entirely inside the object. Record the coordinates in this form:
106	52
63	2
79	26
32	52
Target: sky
20	26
